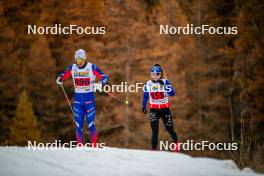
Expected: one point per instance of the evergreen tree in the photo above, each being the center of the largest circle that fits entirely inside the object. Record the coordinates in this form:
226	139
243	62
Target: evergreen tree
25	126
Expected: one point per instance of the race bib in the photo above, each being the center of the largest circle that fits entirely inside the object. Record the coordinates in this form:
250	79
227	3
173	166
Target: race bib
82	81
157	95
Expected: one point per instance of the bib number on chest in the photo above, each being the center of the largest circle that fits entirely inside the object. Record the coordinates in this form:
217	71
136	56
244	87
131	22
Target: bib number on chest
157	95
82	81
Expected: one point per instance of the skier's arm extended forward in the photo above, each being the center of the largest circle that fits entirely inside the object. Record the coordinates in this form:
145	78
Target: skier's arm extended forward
64	75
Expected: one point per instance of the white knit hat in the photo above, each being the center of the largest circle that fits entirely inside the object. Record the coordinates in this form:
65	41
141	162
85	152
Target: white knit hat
80	53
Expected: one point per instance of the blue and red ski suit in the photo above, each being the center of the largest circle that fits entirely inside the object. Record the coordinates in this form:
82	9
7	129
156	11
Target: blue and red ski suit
83	104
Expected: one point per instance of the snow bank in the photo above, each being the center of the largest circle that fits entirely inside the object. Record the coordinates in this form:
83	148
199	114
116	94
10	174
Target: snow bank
110	161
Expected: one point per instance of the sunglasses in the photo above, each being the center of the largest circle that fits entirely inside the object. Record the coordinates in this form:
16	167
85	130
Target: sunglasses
79	60
155	74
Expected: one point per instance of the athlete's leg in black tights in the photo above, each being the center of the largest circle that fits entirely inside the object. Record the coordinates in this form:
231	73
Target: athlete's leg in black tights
168	123
154	123
165	114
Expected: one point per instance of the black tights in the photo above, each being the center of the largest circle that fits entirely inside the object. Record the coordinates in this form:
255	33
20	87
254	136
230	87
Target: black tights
166	117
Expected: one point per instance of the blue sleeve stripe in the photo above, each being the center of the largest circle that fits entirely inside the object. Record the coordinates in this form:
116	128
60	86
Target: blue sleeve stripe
145	98
170	89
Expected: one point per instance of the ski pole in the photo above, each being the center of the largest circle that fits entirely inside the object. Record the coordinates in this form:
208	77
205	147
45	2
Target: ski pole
117	98
66	98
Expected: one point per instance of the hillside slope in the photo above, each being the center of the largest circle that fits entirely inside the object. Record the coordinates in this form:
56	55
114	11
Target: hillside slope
110	161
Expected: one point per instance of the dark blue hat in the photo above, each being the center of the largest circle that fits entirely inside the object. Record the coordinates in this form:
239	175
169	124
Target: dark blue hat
155	69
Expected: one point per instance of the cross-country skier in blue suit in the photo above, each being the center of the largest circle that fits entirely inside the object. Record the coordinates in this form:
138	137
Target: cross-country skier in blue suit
83	74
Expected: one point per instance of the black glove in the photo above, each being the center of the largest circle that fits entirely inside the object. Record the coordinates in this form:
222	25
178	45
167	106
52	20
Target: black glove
161	82
144	110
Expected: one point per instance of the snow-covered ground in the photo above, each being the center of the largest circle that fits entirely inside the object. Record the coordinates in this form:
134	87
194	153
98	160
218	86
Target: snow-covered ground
111	161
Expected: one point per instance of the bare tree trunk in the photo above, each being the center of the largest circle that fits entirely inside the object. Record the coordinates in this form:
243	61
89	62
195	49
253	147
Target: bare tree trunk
231	104
241	130
231	118
127	98
200	46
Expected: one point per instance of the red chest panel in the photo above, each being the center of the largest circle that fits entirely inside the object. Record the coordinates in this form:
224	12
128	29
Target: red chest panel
157	95
82	81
